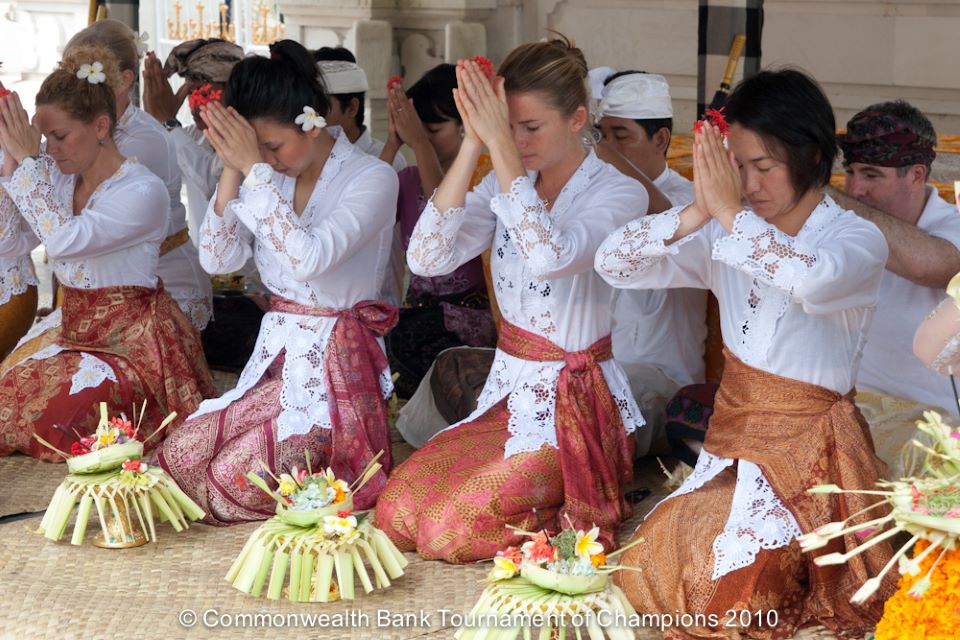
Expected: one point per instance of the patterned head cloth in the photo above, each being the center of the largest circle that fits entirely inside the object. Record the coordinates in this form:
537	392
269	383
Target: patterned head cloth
884	140
203	61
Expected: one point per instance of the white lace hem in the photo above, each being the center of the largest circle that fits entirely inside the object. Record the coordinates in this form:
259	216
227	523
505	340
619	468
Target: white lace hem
530	389
757	520
304	398
16	277
92	372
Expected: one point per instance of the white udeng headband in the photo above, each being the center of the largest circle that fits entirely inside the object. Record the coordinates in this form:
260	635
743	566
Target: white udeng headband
92	73
637	96
310	119
343	77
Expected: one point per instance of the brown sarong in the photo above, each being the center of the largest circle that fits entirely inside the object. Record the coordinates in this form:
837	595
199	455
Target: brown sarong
800	435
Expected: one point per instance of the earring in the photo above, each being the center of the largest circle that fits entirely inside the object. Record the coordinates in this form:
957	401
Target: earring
100	141
590	136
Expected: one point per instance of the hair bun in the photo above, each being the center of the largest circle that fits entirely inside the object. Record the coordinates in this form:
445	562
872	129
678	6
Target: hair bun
76	57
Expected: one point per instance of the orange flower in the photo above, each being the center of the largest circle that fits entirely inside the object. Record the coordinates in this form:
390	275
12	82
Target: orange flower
934	615
598	560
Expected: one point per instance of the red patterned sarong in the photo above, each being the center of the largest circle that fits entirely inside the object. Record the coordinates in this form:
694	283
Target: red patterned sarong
800	435
453	499
210	456
150	346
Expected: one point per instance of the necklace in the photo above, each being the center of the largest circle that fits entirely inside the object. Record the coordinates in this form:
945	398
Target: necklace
538	185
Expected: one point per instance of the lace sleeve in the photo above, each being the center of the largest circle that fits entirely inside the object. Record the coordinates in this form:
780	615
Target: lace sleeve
637	255
31	190
225	244
444	240
564	241
361	210
756	247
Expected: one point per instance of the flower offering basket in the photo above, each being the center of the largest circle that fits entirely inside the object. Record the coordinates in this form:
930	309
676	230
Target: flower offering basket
552	587
316	545
106	472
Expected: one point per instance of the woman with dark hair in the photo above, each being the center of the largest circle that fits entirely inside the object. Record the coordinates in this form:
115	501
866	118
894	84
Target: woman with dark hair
102	217
443	311
549	438
316	214
797	278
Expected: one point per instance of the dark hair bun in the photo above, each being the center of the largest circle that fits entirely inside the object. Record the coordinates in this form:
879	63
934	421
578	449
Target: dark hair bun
278	87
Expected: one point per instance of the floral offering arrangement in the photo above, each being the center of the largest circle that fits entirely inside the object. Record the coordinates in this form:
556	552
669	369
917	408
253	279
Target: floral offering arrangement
203	95
314	534
556	585
927	602
107	472
232	282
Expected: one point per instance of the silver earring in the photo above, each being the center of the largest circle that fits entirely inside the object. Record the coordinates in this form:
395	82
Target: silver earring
100	142
590	136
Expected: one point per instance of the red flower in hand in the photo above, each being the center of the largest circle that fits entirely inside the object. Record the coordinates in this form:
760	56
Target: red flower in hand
486	66
394	81
78	449
4	92
714	117
203	95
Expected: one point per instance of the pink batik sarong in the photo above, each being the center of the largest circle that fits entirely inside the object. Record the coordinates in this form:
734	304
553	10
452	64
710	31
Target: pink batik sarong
453	499
210	455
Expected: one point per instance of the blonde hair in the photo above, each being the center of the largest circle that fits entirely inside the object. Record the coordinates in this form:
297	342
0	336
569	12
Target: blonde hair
79	98
556	69
113	35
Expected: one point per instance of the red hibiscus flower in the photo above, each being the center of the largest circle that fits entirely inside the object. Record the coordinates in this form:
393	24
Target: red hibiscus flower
714	117
4	92
203	95
486	66
394	81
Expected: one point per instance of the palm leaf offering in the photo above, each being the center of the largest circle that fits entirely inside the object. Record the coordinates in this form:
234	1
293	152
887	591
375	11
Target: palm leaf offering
316	547
107	473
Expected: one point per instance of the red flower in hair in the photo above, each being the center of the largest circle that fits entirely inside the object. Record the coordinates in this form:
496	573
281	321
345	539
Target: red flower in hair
486	66
394	81
203	95
716	118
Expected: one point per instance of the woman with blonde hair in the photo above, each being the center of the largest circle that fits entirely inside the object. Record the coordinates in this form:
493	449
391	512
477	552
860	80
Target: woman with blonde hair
555	402
102	218
140	136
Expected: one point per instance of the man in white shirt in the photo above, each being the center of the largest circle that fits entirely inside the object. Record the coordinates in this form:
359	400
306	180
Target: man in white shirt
658	335
888	152
347	84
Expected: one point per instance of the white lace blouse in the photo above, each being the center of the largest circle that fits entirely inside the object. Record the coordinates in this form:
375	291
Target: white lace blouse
332	255
138	135
543	278
113	241
16	242
796	306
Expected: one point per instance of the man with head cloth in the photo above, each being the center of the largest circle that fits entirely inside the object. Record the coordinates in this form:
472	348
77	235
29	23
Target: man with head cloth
888	151
200	63
346	83
658	336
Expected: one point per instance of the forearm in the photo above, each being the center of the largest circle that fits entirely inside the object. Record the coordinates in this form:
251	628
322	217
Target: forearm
389	152
506	162
658	202
914	254
227	189
452	190
428	165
